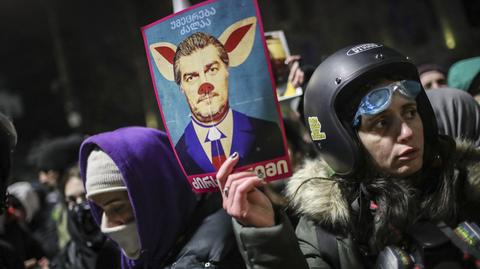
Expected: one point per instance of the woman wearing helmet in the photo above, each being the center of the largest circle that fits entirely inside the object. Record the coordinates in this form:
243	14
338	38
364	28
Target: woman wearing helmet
383	171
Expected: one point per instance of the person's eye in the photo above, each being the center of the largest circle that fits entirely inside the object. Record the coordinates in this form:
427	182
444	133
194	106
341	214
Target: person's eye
190	77
119	209
411	113
380	124
116	209
213	69
428	85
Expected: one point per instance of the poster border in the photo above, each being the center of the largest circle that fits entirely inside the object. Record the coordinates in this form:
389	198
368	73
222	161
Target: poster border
255	165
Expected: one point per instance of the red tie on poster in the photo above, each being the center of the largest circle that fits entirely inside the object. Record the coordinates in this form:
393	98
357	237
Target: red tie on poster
218	154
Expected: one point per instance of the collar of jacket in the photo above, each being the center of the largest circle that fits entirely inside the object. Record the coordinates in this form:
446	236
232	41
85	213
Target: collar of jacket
313	193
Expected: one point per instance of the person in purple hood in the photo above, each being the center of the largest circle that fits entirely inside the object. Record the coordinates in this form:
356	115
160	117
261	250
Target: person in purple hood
140	199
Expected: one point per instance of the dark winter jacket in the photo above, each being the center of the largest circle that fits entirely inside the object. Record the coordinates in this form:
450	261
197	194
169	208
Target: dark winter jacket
322	204
88	248
44	226
77	255
209	241
457	114
9	258
18	235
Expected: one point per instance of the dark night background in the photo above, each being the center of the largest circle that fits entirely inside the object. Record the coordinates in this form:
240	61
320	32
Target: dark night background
80	66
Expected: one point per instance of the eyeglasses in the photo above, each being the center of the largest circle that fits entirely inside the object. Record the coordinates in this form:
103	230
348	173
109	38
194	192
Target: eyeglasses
377	100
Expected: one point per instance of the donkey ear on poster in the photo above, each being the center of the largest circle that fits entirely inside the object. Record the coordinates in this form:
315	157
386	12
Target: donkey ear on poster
163	54
238	40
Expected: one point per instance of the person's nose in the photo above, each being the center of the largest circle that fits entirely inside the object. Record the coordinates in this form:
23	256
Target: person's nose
406	132
43	177
205	88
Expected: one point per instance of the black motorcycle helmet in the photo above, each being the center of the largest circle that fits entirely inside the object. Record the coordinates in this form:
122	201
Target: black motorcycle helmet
333	95
8	140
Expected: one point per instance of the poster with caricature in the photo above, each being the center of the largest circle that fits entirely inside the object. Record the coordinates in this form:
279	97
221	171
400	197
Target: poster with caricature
212	78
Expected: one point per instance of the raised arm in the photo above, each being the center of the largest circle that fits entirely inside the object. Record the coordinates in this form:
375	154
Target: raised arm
265	236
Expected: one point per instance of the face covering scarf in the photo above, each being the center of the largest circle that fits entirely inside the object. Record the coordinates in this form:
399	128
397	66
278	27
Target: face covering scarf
82	226
126	237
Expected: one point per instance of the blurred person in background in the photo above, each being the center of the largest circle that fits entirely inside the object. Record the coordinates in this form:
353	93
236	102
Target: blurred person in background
299	150
52	159
299	76
432	76
465	75
88	248
457	114
141	199
23	205
299	73
298	140
9	258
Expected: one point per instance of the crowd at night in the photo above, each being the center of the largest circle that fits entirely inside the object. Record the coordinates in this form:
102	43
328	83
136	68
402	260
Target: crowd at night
239	134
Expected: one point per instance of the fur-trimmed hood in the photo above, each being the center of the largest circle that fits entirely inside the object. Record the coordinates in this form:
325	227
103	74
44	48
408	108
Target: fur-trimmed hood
313	193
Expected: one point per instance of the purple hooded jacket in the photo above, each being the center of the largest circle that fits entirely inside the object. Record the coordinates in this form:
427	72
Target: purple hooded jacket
161	197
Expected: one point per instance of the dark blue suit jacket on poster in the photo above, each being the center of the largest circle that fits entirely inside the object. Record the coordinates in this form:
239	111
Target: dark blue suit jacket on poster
254	139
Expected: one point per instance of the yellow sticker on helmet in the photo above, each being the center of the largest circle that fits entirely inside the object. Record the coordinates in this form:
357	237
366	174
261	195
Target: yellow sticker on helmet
316	129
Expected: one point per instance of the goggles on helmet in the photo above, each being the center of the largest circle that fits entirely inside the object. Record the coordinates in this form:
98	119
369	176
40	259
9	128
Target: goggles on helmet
377	100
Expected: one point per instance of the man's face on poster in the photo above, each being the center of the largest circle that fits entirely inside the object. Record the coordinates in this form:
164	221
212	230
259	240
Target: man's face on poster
204	81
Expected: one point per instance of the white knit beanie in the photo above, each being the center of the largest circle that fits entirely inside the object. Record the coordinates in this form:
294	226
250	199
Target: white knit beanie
102	174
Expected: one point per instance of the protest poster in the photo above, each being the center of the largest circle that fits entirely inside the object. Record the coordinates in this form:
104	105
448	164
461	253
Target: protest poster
214	87
279	52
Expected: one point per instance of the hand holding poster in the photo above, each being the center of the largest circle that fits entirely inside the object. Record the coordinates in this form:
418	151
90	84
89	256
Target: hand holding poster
215	90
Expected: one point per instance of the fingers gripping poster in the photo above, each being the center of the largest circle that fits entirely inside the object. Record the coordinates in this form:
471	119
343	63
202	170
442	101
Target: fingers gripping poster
214	87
